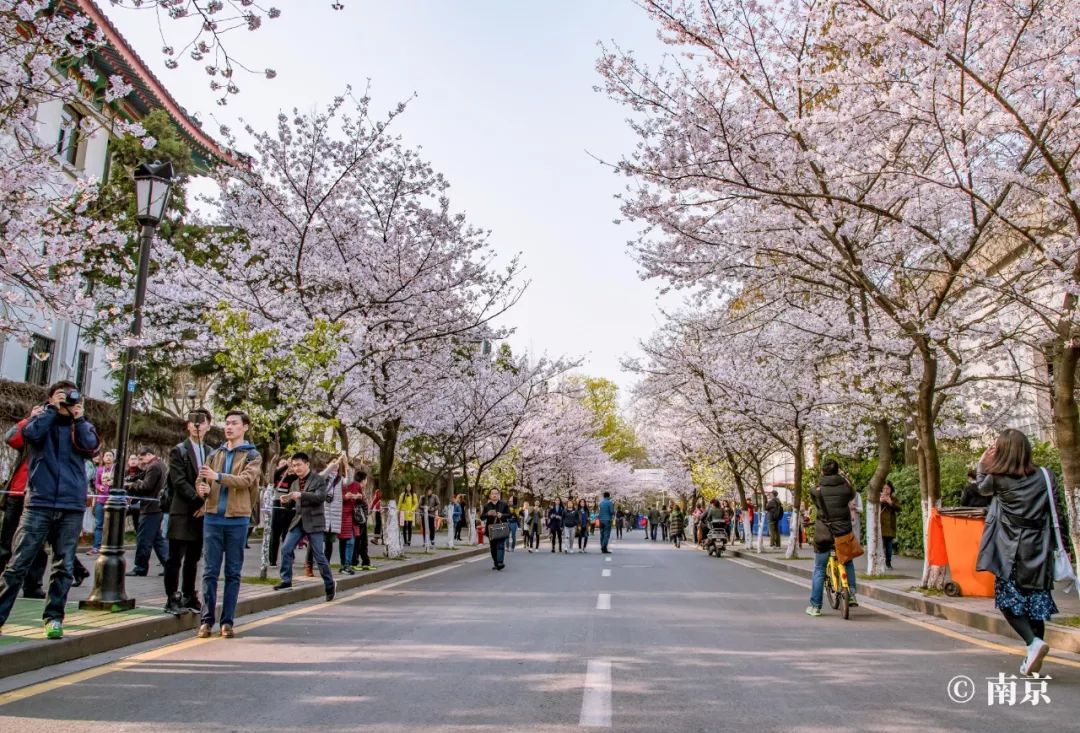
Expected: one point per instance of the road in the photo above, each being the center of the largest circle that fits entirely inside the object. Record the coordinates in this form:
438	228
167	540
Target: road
689	643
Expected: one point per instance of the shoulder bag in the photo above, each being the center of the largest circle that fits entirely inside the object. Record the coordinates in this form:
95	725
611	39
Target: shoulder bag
1063	569
847	545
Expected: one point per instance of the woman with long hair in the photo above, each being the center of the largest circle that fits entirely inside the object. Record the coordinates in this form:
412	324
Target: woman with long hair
583	525
1018	541
555	522
889	509
103	477
407	504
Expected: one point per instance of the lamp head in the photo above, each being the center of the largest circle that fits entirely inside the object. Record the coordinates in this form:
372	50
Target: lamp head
153	185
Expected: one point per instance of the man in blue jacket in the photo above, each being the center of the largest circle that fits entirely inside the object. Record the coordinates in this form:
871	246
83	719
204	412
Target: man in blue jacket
59	440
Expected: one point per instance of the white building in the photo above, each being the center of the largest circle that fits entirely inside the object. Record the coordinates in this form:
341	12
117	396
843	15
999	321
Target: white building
59	348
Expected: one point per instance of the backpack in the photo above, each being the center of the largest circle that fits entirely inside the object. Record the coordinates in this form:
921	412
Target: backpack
359	514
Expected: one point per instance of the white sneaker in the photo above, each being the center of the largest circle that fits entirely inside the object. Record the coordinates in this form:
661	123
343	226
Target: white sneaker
1033	661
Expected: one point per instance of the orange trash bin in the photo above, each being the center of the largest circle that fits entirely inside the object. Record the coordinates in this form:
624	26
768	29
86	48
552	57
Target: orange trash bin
963	530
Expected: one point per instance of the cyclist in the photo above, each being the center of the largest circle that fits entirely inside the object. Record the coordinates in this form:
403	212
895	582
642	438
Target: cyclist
831	497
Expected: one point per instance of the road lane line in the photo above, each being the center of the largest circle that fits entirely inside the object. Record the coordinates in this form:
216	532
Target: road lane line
596	702
603	602
607	559
605	573
873	606
39	688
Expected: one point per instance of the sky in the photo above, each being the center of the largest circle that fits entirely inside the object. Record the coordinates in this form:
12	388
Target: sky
504	107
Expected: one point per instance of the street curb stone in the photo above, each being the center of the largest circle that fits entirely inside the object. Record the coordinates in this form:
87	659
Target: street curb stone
30	656
1058	637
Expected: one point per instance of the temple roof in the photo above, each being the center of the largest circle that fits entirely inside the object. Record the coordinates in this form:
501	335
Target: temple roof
148	93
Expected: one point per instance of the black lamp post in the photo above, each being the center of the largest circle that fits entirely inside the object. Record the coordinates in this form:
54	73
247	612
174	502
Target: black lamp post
153	184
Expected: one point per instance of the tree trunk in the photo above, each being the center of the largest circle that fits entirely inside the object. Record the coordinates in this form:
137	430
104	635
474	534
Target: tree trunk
875	557
1067	435
929	460
343	438
387	451
796	511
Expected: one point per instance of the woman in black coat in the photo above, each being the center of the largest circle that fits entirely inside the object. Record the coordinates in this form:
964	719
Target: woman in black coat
554	522
1017	542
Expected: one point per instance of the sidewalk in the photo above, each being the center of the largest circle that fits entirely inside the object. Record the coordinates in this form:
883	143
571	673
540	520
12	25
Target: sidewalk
900	588
23	646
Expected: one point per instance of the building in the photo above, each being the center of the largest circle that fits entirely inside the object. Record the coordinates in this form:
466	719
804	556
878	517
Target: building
58	348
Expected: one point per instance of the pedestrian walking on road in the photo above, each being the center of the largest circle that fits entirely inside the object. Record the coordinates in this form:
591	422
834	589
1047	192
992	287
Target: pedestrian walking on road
676	524
185	533
555	523
654	522
1018	540
310	493
774	512
665	520
583	527
889	509
831	497
570	522
57	439
494	511
229	486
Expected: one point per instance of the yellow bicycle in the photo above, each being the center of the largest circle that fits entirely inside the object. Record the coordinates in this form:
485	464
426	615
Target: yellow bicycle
836	585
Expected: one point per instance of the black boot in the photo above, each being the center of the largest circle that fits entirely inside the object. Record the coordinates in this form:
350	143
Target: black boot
174	606
191	603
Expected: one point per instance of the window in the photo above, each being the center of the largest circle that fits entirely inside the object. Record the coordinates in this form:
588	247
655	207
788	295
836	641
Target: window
39	360
67	140
82	370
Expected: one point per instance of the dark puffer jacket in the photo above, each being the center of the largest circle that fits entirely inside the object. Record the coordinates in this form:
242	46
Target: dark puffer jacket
831	497
1017	540
59	448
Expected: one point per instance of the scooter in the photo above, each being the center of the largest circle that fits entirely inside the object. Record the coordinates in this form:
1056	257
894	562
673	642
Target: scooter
716	541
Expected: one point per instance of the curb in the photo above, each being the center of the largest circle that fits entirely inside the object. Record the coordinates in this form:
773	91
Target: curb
35	655
1058	637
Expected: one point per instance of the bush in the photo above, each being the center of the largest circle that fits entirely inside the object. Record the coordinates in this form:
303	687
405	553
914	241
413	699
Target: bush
909	534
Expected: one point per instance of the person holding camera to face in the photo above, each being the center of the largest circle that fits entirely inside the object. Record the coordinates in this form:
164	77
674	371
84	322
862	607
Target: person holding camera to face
59	439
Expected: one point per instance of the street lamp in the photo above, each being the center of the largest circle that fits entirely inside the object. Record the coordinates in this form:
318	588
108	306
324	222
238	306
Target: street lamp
153	184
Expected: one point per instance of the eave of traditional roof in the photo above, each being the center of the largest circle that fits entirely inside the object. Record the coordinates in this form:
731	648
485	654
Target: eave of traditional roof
148	93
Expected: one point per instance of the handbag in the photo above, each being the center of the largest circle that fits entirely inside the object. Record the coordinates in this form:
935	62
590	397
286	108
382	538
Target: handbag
847	545
1063	569
359	516
498	531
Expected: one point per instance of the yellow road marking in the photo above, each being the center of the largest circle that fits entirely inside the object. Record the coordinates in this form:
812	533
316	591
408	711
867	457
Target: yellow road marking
121	664
916	622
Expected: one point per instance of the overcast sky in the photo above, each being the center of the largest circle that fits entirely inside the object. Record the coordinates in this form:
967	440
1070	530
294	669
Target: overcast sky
505	108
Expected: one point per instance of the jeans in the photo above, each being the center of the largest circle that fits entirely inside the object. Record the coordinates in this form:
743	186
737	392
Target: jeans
513	535
315	542
618	533
568	538
498	551
99	524
222	539
184	553
556	534
148	537
346	550
652	531
817	585
605	535
13	509
887	544
38	526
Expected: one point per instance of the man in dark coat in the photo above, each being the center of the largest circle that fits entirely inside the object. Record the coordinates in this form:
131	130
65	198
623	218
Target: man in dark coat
774	512
831	497
148	489
309	492
185	509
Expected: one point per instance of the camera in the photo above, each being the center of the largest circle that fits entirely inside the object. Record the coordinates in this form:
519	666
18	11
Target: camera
71	398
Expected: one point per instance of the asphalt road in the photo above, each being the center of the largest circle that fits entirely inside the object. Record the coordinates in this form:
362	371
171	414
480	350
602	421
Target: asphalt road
689	643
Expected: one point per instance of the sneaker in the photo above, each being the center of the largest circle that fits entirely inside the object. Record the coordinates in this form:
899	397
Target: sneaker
852	601
282	585
227	631
812	610
54	630
367	567
1033	661
347	570
331	592
174	606
204	631
92	551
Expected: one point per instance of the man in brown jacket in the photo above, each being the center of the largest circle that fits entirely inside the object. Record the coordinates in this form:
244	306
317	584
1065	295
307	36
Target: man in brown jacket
229	484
